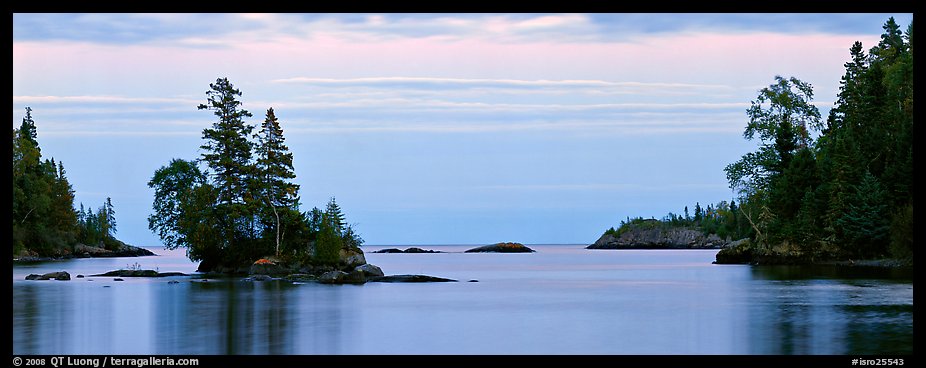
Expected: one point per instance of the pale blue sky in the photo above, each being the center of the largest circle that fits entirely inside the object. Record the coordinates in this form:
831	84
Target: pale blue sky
430	128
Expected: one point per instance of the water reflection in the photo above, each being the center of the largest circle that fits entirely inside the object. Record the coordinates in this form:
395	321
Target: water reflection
226	317
829	310
565	301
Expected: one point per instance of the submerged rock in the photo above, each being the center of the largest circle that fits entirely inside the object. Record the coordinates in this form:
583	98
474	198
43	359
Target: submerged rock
259	278
501	248
300	277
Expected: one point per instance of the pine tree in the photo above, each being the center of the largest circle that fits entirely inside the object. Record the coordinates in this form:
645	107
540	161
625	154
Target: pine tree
227	150
334	216
274	170
866	223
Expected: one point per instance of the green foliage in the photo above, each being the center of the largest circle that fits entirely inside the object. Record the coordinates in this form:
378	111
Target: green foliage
44	218
851	191
246	207
902	233
329	243
866	223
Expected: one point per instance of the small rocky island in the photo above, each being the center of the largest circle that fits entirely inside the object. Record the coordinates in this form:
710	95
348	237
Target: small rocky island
507	247
409	250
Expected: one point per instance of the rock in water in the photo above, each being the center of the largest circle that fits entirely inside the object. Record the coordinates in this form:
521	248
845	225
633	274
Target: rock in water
351	258
369	270
266	267
410	278
389	250
60	275
501	248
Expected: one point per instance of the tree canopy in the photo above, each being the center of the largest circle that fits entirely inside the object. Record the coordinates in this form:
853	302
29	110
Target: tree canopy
244	206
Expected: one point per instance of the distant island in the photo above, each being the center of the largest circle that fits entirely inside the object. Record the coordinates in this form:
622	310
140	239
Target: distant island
46	225
507	247
816	190
409	250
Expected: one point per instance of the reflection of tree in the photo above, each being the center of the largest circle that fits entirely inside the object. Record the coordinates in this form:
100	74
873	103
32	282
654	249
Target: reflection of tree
803	310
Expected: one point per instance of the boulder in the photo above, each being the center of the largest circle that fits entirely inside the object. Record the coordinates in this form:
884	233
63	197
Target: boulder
341	277
501	248
351	258
259	278
264	266
332	277
369	270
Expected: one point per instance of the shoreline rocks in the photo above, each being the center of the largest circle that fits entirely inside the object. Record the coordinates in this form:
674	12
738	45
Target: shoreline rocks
501	248
86	251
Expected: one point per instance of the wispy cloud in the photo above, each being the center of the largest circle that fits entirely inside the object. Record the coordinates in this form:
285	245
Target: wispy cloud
103	99
219	30
484	82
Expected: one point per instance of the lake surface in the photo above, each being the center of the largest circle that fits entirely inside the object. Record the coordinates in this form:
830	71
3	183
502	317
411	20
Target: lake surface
563	299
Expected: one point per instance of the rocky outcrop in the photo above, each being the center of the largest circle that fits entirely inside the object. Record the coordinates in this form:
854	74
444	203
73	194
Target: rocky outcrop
350	258
409	250
267	267
660	238
369	271
501	248
60	275
139	273
410	278
84	251
121	250
341	277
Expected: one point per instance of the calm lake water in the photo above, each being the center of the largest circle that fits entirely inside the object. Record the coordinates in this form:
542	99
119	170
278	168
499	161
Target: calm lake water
561	300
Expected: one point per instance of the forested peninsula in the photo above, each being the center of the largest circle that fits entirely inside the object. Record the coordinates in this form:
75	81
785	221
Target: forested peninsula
45	222
818	190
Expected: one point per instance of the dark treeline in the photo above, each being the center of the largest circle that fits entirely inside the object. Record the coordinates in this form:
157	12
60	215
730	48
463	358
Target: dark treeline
849	193
723	219
45	222
243	204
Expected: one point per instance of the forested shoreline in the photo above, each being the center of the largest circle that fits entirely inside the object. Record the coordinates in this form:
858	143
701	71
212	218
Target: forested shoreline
45	222
816	189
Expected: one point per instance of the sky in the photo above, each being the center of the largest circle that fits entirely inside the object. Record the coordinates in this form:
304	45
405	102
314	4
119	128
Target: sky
430	128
